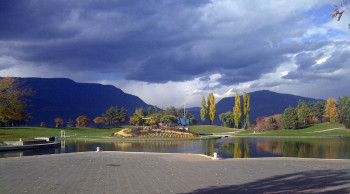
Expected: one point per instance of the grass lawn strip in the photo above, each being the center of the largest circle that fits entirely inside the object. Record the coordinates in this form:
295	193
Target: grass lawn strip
337	130
95	134
212	129
325	130
29	133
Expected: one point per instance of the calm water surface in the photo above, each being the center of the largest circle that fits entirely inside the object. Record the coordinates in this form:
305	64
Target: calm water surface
335	148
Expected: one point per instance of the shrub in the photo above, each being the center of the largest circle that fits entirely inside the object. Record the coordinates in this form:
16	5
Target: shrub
135	131
347	124
268	123
70	123
315	120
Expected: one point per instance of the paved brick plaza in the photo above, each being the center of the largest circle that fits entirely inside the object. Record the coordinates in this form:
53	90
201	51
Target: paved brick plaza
118	172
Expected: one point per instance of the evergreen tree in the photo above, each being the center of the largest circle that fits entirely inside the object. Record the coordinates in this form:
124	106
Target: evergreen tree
170	111
203	110
123	117
290	119
246	110
237	110
317	108
156	109
212	108
149	111
344	108
116	116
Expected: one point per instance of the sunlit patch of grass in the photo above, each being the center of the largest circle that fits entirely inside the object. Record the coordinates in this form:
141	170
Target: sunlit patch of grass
322	129
211	129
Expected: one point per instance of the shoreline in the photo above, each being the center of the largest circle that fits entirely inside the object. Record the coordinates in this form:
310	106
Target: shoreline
187	156
137	140
325	136
194	139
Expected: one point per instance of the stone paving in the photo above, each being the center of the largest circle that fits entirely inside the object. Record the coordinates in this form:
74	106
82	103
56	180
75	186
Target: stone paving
119	172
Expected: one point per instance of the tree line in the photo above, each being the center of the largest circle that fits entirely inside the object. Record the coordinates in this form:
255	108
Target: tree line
154	115
112	117
306	114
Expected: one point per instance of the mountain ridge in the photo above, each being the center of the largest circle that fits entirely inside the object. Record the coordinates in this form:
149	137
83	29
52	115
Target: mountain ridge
65	98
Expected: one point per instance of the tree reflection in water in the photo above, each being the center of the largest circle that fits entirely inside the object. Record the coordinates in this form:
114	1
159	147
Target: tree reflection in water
208	147
236	149
331	148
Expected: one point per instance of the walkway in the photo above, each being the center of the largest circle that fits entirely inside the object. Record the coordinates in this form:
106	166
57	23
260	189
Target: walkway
118	172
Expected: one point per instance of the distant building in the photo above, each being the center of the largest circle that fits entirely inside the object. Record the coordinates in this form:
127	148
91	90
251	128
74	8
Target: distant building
183	121
180	121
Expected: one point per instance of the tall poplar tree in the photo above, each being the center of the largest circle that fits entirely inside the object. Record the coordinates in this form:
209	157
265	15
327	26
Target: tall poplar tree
246	110
212	107
203	110
237	111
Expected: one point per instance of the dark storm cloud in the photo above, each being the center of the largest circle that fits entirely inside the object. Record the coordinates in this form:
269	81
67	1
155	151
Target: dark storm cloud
33	20
308	70
151	41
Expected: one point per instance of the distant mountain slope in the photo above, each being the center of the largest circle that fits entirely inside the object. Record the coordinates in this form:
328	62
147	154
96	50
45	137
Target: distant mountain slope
262	103
59	97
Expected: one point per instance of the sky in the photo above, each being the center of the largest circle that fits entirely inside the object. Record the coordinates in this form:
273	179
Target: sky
174	52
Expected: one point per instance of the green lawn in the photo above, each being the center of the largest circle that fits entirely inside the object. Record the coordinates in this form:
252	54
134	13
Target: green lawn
211	129
314	130
28	133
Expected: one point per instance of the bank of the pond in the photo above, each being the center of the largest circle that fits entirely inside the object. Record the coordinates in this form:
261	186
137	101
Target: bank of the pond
122	172
139	139
207	131
314	131
296	137
4	148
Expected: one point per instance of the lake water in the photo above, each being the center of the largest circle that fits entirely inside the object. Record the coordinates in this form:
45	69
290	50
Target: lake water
334	148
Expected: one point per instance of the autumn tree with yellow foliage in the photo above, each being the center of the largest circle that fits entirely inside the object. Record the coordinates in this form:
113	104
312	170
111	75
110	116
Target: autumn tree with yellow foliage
99	120
211	107
237	110
12	101
331	111
82	121
203	110
246	110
